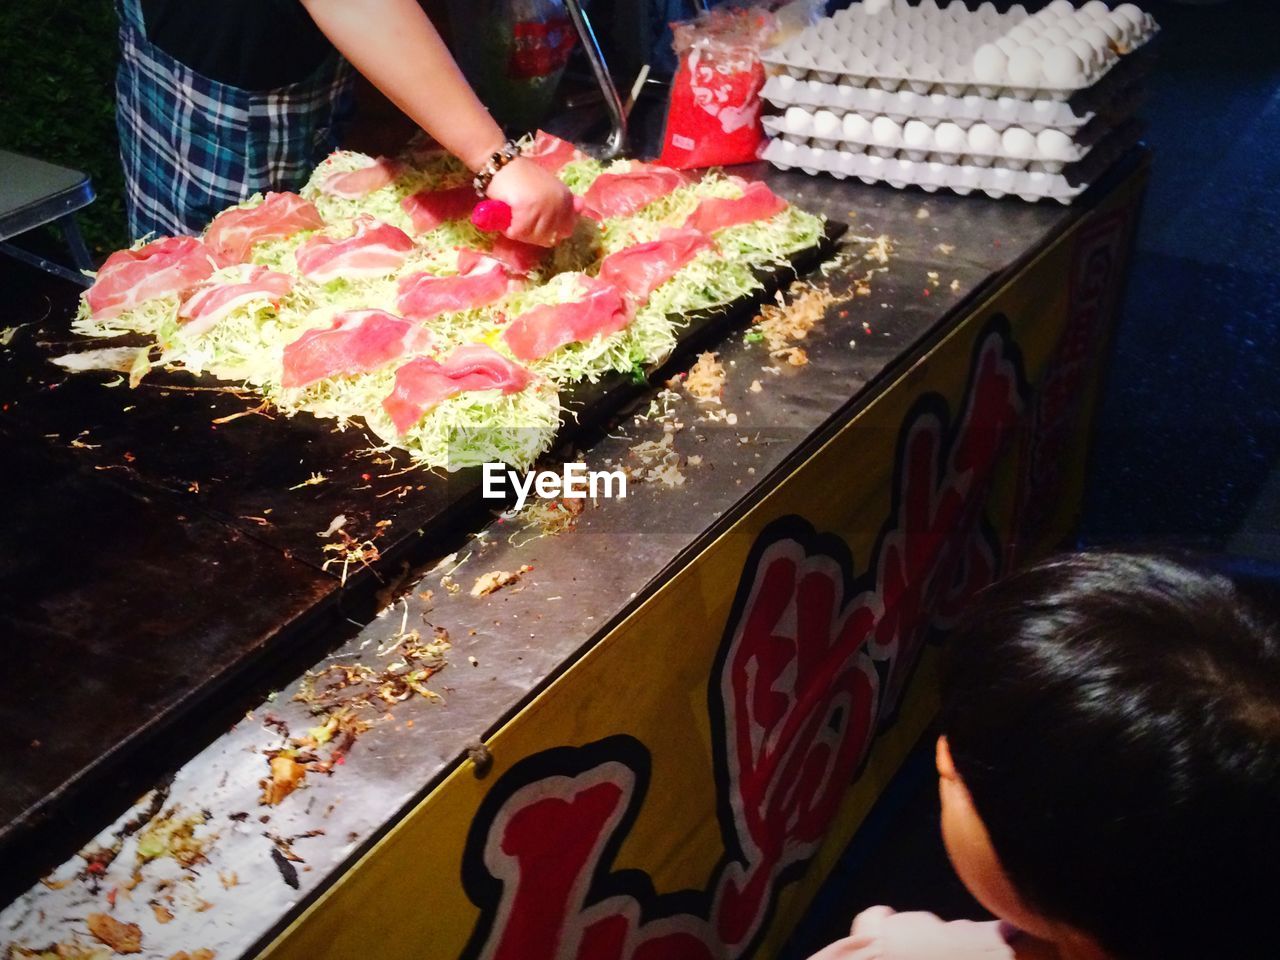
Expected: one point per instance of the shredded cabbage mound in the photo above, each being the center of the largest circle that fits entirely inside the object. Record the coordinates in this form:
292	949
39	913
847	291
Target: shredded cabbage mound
479	427
247	345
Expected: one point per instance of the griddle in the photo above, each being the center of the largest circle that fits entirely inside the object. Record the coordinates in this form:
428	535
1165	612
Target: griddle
160	570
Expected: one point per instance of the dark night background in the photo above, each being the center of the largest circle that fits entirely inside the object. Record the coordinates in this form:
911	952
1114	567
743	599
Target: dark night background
1188	440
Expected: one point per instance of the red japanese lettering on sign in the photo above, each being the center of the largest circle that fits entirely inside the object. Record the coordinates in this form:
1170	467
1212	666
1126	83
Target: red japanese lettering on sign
813	661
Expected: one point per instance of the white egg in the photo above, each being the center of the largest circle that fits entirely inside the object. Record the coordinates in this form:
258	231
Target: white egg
1056	35
1043	45
826	125
983	140
1006	45
1001	180
885	132
1129	33
1133	14
1085	51
990	64
856	128
1097	39
1022	34
1063	67
1054	145
949	138
1096	9
1026	67
875	98
798	121
1115	33
917	135
1019	143
1061	7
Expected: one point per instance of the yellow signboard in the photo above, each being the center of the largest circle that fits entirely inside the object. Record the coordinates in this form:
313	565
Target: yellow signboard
681	792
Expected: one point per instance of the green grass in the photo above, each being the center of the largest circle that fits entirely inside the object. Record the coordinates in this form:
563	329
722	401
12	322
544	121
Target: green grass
57	73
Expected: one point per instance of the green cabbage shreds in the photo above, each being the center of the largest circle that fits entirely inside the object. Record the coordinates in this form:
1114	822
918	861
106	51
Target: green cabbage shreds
246	346
147	318
479	426
276	253
339	398
382	204
579	175
768	242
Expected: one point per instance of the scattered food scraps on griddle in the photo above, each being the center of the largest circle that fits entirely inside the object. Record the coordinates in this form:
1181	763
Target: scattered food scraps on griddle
546	518
657	460
791	318
495	580
172	835
123	938
65	950
705	380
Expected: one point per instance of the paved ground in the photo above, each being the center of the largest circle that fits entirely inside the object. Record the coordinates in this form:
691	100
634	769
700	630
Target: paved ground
1188	444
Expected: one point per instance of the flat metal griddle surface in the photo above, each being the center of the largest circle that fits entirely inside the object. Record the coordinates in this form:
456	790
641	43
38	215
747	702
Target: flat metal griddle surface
155	554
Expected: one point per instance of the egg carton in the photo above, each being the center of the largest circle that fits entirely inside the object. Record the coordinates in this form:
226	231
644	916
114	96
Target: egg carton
995	181
958	51
980	145
1117	97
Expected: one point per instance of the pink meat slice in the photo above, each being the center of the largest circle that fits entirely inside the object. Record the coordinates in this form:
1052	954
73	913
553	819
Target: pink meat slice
374	250
234	232
639	270
517	256
539	331
757	202
354	184
210	302
618	194
430	208
423	382
423	296
551	153
358	341
131	277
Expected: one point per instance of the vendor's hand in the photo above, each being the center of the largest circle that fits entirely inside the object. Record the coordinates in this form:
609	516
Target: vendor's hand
541	206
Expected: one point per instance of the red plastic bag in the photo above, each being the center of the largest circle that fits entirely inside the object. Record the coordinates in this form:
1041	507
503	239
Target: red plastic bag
714	118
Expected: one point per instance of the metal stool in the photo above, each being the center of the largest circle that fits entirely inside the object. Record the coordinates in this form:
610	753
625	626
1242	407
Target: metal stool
34	193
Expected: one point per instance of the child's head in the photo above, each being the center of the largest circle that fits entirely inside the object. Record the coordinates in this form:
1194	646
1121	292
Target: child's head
1110	759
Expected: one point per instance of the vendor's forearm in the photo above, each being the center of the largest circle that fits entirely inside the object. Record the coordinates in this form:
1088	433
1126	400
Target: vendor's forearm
394	44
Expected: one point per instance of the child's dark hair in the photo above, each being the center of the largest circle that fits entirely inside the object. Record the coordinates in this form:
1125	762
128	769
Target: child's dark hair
1116	719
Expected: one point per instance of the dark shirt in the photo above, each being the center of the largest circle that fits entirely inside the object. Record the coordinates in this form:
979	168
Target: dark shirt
253	44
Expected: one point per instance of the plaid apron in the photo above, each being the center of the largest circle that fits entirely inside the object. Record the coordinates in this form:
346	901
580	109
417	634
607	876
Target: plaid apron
192	146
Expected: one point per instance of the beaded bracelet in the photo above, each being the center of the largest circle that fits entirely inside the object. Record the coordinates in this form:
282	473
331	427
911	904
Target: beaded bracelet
500	158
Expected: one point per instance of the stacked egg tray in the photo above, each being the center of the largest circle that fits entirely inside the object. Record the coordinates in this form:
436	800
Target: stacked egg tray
1033	106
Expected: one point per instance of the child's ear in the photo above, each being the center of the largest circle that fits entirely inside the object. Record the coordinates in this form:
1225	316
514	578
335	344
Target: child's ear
942	758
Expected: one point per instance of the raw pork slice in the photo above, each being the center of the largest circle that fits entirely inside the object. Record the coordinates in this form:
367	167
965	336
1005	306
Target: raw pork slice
354	184
430	208
639	270
757	202
374	250
540	330
162	267
234	232
211	301
618	194
551	153
422	382
516	255
358	341
423	295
